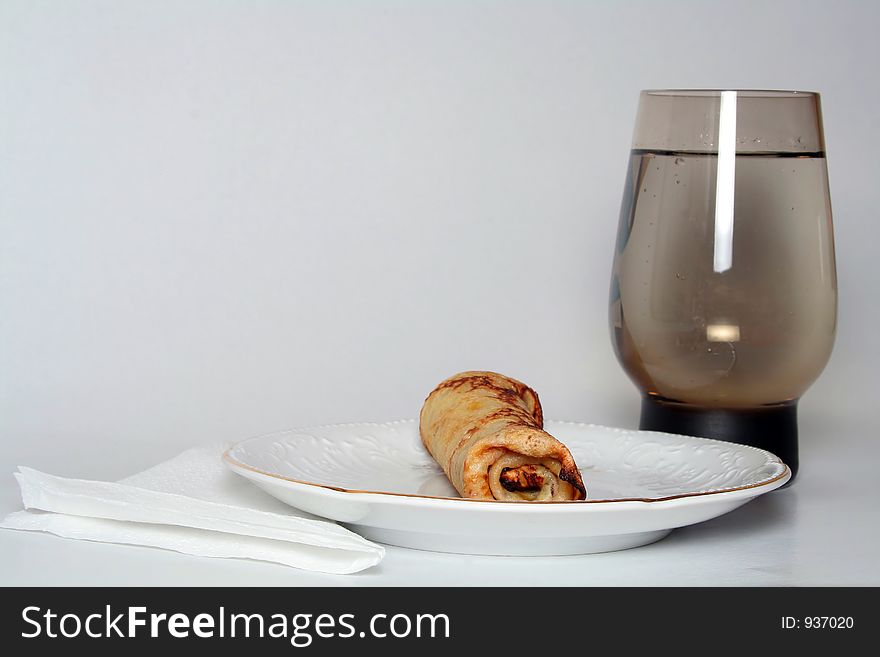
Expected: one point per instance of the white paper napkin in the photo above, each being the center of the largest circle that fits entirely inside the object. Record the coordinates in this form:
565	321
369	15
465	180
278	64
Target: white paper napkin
191	504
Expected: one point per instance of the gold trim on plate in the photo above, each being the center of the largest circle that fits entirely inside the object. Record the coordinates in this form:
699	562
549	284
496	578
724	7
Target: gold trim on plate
239	464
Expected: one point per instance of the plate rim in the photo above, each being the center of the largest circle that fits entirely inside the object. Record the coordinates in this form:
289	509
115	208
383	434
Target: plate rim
235	464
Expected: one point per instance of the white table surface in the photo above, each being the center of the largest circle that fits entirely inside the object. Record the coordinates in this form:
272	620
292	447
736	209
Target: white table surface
823	530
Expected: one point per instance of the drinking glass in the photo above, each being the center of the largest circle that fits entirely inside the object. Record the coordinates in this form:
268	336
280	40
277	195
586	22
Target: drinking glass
724	292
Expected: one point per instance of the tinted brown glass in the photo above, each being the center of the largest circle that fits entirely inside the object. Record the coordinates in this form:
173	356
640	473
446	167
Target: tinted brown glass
723	295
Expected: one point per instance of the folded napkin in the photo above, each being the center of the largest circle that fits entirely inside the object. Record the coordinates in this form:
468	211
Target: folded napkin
191	504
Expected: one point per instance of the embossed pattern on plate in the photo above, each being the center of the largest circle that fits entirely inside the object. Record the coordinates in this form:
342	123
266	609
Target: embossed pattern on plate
379	481
616	463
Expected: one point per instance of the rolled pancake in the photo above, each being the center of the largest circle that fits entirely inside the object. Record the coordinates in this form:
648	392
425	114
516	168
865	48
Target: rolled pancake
486	432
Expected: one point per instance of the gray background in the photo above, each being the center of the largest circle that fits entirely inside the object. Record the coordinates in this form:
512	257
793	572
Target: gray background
226	218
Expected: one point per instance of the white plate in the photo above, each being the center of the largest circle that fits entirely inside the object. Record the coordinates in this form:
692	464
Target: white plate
379	481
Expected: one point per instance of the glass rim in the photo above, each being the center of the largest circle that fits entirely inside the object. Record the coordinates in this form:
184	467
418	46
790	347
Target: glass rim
716	93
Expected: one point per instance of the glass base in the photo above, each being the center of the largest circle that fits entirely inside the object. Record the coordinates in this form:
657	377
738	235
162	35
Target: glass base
773	428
